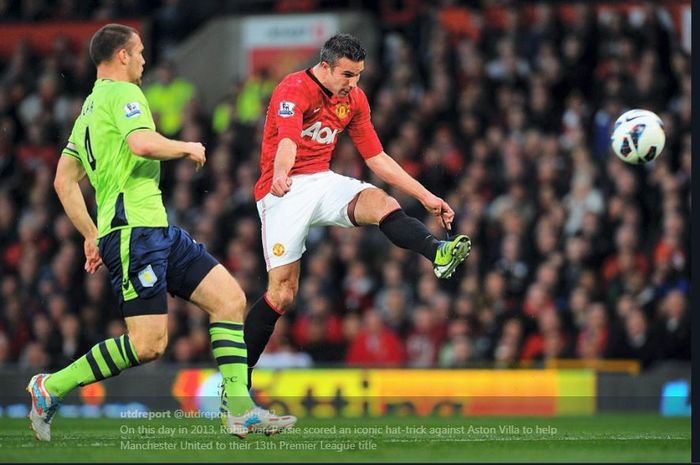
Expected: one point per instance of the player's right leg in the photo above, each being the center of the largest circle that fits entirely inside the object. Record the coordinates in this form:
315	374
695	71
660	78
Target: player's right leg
142	297
197	277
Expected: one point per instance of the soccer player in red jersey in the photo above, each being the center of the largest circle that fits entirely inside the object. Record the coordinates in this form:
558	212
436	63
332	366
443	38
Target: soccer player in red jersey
297	190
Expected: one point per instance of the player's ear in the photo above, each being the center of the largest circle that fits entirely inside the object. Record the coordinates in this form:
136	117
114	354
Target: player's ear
122	54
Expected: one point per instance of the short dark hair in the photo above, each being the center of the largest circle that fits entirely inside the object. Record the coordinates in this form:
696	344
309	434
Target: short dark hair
342	46
107	40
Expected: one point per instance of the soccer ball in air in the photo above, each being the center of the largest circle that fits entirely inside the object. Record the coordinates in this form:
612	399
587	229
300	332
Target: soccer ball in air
638	136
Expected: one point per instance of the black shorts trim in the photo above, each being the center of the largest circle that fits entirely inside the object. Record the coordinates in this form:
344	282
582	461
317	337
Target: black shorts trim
195	274
155	305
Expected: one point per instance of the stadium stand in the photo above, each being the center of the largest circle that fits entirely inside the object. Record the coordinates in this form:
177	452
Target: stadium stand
575	255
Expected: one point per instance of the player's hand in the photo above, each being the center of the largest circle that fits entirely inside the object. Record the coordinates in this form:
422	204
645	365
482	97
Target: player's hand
439	208
93	261
281	184
196	153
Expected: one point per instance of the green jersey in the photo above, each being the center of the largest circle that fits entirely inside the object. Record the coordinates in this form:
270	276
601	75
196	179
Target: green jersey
126	185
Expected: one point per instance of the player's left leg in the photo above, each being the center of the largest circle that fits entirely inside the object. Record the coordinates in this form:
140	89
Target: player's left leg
375	207
145	341
137	272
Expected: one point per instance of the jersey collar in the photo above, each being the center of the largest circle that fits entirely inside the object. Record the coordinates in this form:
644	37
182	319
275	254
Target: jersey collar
101	82
328	93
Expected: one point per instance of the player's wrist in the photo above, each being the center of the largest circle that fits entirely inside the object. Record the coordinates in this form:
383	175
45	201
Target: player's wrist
426	197
185	149
280	174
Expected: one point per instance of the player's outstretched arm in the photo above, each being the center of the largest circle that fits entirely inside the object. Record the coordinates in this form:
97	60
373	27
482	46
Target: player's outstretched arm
149	144
391	172
68	174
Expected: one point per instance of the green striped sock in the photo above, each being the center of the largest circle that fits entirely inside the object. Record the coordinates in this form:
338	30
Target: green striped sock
231	355
106	359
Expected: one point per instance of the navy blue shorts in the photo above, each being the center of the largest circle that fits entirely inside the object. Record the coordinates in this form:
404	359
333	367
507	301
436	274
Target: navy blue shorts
157	260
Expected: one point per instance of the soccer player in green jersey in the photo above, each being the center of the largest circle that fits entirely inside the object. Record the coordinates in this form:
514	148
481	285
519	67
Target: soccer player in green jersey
115	143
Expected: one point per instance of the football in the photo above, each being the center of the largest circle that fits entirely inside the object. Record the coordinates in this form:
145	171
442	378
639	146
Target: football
638	136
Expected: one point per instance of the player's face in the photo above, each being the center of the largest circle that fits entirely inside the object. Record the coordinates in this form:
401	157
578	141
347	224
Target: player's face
135	60
343	77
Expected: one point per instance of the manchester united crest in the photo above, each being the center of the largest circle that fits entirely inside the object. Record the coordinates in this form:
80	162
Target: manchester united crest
342	110
278	249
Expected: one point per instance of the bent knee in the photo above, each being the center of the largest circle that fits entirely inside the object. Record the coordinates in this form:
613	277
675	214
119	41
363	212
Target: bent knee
378	205
390	205
149	345
233	307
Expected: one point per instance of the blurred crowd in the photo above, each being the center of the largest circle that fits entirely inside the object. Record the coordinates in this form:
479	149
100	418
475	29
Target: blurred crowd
575	254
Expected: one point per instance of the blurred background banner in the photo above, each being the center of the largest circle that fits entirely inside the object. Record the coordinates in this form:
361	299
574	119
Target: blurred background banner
353	393
41	36
280	45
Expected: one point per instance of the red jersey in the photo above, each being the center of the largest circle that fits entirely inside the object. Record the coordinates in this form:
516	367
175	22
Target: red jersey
303	110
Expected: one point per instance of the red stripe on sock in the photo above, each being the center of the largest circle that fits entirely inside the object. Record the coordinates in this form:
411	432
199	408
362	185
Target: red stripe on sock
278	310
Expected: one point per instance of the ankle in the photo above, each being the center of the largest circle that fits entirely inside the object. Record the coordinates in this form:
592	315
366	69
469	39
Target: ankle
278	302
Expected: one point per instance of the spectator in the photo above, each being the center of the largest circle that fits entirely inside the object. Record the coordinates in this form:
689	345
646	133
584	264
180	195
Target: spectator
253	97
637	342
512	266
507	349
583	198
375	345
320	317
423	340
548	341
357	287
46	105
34	357
319	346
168	97
675	332
457	353
593	337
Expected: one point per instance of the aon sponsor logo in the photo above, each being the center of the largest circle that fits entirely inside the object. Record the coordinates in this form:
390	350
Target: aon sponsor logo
319	134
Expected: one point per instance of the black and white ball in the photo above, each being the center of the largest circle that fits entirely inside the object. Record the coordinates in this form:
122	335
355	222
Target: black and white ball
638	136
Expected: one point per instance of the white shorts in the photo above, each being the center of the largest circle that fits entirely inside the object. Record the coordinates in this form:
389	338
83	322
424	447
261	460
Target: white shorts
318	199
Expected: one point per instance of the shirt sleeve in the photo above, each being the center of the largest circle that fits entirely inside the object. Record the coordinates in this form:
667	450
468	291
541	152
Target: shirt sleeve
362	131
131	111
287	106
71	149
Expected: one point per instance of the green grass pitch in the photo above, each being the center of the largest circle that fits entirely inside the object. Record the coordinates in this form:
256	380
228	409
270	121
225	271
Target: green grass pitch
599	438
